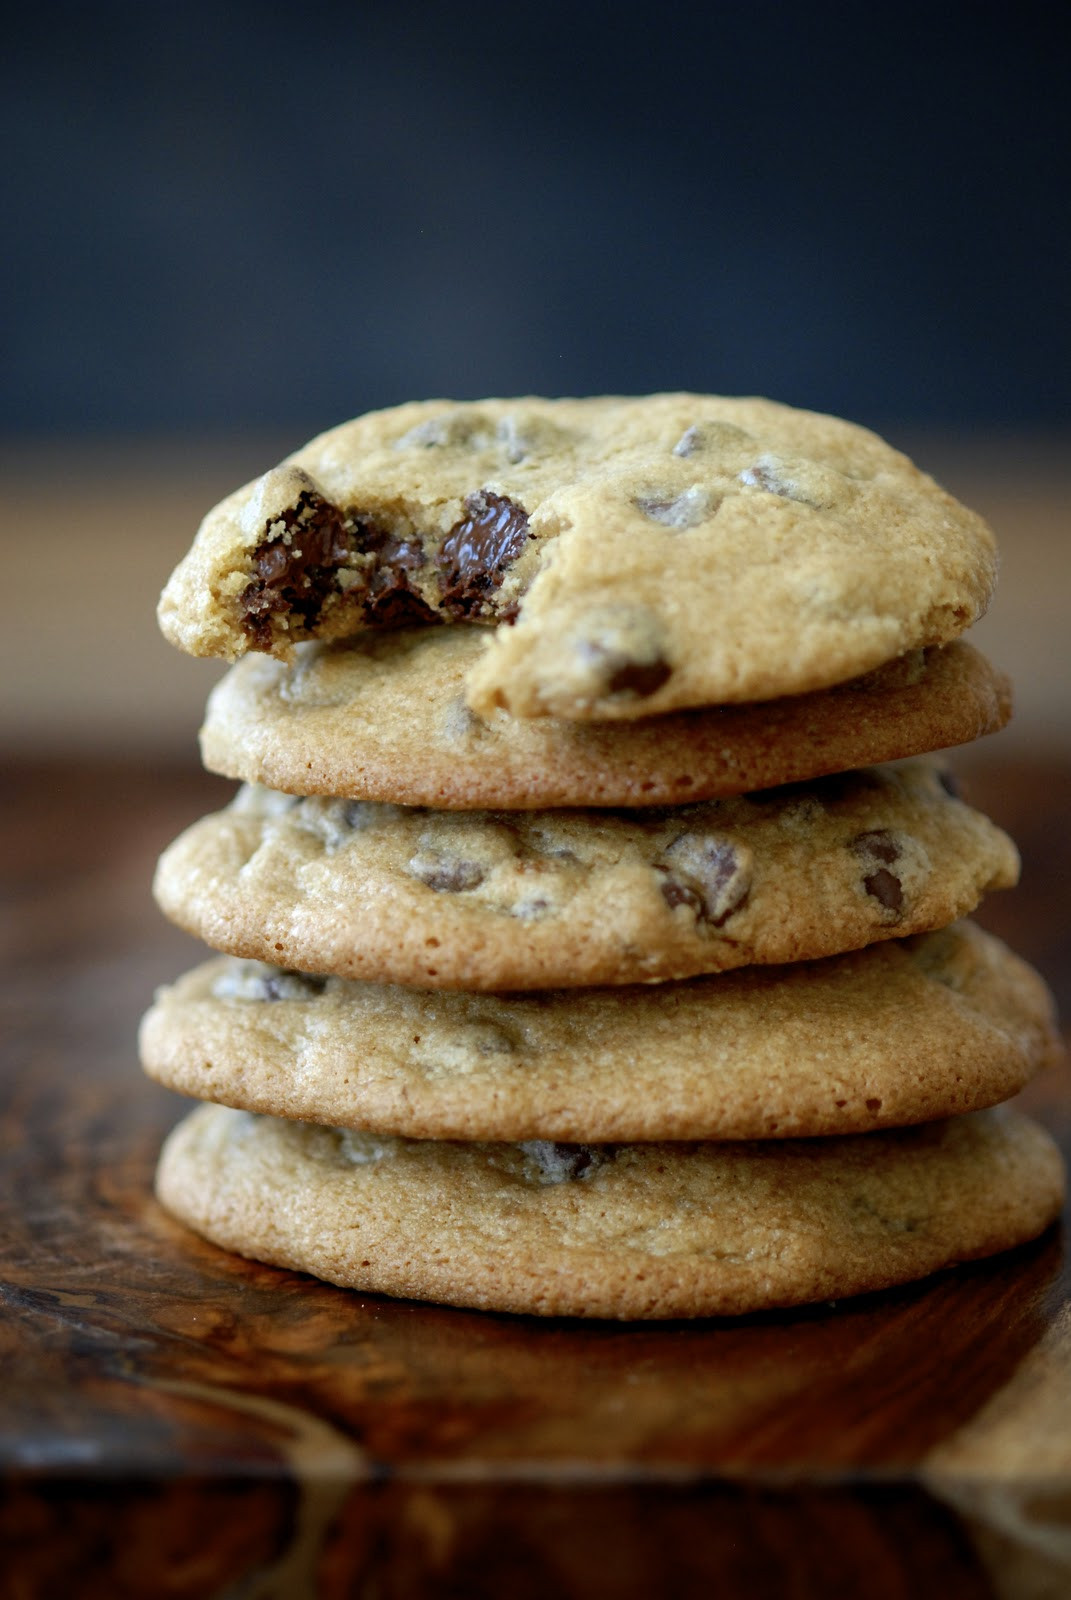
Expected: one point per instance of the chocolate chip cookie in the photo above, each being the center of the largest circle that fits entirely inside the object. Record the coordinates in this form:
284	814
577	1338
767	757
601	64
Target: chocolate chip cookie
545	899
904	1031
632	1230
383	717
627	556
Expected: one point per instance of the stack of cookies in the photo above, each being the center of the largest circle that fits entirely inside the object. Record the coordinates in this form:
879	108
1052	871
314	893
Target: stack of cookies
577	957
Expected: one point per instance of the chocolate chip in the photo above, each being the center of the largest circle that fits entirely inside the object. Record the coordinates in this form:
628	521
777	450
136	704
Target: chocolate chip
689	442
254	981
878	845
765	474
334	822
458	724
885	888
446	874
675	893
943	958
618	651
292	986
639	678
295	567
710	436
652	507
559	852
513	439
453	429
625	674
477	551
551	1162
357	814
491	1040
879	849
364	1149
682	511
532	909
708	873
803	481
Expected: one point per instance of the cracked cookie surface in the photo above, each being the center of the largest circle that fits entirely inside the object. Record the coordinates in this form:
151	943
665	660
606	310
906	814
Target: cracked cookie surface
383	717
545	899
628	1231
632	556
904	1031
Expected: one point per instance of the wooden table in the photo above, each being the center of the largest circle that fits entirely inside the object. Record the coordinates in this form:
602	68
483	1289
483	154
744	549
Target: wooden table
178	1422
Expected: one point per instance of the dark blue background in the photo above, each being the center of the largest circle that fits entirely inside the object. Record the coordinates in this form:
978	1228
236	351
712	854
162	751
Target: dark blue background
245	214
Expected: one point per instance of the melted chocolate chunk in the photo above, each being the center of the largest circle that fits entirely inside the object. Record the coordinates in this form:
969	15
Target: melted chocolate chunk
296	571
390	602
405	555
477	551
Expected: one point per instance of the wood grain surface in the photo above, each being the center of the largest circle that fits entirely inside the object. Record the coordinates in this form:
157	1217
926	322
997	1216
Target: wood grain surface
178	1422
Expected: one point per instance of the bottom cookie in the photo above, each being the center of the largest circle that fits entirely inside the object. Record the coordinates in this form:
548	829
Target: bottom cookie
626	1231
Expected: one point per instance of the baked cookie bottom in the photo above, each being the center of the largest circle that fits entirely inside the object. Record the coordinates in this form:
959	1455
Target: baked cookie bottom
904	1031
383	717
632	1231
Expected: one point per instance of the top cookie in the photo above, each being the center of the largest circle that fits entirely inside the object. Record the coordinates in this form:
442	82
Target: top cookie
651	554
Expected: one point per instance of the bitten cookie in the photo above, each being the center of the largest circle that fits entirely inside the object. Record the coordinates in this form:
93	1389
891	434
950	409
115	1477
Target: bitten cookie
636	1230
548	899
637	555
383	717
901	1032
